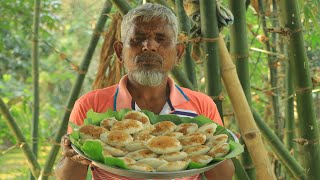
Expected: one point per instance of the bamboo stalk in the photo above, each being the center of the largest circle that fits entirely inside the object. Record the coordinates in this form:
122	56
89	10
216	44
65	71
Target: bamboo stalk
210	31
279	149
30	157
308	131
35	80
164	3
273	75
76	89
248	128
240	172
239	52
181	79
184	26
122	5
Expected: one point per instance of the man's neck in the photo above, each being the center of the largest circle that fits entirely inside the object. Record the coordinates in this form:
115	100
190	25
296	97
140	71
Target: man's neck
149	98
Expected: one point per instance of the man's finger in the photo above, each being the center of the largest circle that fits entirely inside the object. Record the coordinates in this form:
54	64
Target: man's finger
69	152
78	158
65	140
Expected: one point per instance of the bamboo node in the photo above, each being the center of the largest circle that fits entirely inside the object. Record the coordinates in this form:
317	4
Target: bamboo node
239	56
53	142
304	90
283	31
21	144
47	174
219	97
202	39
67	109
304	142
251	134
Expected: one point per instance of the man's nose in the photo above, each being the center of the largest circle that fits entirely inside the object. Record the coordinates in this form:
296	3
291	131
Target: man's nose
150	45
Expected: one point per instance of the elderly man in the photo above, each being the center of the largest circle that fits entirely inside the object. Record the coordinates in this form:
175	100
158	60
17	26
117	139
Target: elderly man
149	50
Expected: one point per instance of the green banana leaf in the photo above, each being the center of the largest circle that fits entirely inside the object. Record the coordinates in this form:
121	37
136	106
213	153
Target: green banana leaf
93	149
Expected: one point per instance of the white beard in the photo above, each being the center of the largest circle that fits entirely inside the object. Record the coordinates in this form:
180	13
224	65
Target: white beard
147	77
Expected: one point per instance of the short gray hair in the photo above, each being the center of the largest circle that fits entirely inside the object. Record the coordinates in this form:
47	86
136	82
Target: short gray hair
148	12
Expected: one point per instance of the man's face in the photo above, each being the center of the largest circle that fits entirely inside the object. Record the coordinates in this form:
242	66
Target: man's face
149	51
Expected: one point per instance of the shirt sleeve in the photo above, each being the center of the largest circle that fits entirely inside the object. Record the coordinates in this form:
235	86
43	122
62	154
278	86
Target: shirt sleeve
78	114
210	110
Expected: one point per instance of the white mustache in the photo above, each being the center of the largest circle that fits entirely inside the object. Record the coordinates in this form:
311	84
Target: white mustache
148	57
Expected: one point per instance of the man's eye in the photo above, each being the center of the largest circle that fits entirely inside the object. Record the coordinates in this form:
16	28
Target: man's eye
161	39
137	39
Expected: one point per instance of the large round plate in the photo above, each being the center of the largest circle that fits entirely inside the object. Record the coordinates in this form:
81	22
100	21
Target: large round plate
147	175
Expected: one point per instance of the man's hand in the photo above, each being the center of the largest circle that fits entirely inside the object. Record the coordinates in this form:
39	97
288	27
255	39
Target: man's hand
224	171
68	152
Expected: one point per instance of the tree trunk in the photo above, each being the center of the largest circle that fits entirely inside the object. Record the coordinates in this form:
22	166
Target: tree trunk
35	79
239	52
22	142
309	133
248	127
76	89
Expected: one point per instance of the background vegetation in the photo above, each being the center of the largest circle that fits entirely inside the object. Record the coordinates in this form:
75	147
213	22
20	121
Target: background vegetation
65	31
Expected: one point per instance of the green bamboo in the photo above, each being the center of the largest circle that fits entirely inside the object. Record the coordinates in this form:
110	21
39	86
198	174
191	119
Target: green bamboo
289	108
76	89
279	149
181	78
184	27
240	172
239	52
289	101
308	130
22	142
35	80
210	32
164	3
122	5
273	76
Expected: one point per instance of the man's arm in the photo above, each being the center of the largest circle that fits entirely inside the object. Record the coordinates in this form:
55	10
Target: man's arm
72	165
224	171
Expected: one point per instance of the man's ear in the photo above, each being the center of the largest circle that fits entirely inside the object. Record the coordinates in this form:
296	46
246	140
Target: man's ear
118	48
180	50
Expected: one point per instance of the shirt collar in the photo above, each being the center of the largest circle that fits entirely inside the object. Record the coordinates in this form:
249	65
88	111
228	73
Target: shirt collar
123	98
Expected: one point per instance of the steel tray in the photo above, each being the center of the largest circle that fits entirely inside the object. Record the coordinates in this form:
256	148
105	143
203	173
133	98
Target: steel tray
147	175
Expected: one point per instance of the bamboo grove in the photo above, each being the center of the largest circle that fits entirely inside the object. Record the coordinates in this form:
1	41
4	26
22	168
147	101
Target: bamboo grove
218	61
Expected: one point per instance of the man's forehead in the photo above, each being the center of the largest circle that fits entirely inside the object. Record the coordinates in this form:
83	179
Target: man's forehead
158	27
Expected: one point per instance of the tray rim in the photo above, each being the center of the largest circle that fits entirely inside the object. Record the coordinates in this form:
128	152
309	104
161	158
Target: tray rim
148	175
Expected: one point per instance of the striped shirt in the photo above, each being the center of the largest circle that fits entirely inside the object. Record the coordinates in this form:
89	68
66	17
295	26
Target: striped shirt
182	102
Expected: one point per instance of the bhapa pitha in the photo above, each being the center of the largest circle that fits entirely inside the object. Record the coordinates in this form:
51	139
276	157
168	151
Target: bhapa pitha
187	128
91	132
141	167
217	140
201	159
141	154
139	116
197	150
153	162
164	127
173	166
208	129
116	138
219	151
108	122
130	126
175	156
164	145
